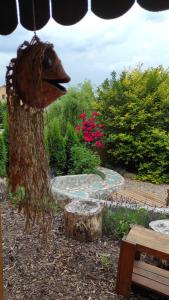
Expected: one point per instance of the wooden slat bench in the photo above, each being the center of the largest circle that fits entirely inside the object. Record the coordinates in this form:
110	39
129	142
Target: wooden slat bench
132	270
141	197
150	276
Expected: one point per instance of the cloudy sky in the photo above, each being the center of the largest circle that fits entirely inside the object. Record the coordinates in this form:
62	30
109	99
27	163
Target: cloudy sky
93	48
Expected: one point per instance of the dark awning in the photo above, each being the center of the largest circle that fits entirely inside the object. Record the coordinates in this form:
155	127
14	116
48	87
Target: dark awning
65	12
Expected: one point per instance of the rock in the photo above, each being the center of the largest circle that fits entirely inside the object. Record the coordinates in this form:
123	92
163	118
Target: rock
61	199
67	188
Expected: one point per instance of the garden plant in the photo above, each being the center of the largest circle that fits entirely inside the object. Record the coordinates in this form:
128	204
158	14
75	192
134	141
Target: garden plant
135	109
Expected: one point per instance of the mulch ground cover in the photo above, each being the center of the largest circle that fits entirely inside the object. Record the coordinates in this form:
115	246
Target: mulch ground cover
62	268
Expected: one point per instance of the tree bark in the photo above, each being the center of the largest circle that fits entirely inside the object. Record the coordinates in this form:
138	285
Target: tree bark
28	162
1	262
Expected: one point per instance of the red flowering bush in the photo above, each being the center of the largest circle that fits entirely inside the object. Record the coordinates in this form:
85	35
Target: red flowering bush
91	129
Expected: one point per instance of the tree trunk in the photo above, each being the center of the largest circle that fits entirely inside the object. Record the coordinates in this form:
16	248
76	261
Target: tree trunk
1	262
83	220
28	162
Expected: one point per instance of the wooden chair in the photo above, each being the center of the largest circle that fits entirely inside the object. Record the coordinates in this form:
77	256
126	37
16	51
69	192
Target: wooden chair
132	270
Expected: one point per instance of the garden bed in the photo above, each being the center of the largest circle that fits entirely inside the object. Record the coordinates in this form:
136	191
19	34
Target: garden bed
64	269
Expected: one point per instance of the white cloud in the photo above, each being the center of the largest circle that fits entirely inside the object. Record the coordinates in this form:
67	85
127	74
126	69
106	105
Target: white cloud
94	47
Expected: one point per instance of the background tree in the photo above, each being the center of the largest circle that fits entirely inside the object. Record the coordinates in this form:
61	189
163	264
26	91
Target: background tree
56	148
135	108
78	99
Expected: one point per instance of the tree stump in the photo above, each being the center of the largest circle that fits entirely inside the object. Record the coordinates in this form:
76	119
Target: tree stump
83	220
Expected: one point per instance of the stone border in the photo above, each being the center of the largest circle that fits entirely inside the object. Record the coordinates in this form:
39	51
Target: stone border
161	226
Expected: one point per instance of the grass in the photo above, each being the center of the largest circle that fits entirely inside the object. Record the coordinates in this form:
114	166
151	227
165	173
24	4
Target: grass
118	221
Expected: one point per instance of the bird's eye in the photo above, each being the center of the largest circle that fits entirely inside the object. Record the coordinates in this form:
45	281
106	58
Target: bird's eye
47	63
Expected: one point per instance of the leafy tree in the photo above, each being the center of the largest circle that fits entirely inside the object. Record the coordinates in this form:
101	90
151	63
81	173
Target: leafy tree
69	107
135	106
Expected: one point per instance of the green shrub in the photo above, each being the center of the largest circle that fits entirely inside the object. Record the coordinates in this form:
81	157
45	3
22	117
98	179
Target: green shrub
105	260
55	147
5	135
66	154
84	161
71	139
118	221
18	197
66	111
3	157
135	107
3	111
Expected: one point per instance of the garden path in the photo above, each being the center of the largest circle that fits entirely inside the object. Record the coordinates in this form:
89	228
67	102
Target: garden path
158	190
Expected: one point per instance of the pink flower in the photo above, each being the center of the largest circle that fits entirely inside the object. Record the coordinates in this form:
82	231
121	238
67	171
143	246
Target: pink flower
85	133
93	125
86	123
95	114
78	127
99	144
91	120
90	129
97	133
83	116
87	139
101	134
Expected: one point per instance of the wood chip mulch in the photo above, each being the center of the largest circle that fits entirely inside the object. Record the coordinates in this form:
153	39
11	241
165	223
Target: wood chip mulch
61	269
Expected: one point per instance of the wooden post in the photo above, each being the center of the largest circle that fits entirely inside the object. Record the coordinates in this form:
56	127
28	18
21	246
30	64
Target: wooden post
1	262
125	268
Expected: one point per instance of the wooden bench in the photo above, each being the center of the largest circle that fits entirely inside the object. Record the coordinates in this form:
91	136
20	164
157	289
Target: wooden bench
132	270
142	197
